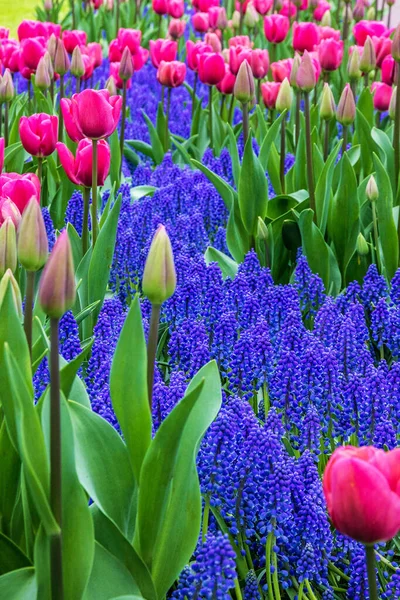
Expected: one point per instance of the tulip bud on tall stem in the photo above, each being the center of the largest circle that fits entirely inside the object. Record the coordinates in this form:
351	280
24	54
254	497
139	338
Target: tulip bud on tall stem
370	560
310	171
95	225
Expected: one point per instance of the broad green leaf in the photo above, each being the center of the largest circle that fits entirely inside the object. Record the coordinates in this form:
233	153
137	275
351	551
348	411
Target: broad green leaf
10	473
223	188
19	584
367	144
103	465
142	190
323	190
388	238
386	148
109	577
69	370
11	557
344	221
156	143
253	190
237	238
115	165
128	387
162	127
234	154
228	266
269	140
365	104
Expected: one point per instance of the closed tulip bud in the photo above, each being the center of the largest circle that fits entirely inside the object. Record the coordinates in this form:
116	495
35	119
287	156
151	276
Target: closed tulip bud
353	66
295	68
9	209
346	110
368	56
305	77
326	20
396	44
33	246
7	280
285	96
359	11
392	105
262	230
362	246
42	77
48	5
327	107
370	14
57	285
77	66
8	247
372	189
159	276
251	17
111	86
49	64
7	91
61	60
244	84
236	19
52	47
126	65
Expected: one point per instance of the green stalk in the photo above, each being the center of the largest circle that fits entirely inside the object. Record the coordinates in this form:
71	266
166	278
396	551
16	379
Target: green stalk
60	115
40	167
245	111
268	565
57	586
7	104
85	228
167	115
344	144
210	121
152	349
282	157
376	236
389	16
241	19
30	289
297	121
95	225
238	591
78	85
326	139
396	134
366	79
206	516
258	91
222	106
346	22
122	134
370	560
1	117
310	171
194	94
231	107
159	25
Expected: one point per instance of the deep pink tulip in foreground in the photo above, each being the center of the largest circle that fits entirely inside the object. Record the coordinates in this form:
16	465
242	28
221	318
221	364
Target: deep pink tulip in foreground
79	168
38	134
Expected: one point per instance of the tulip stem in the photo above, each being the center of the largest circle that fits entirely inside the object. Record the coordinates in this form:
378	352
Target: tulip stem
85	224
152	350
344	145
78	85
346	21
95	225
231	107
283	152
389	16
396	135
310	172
167	117
366	79
7	104
376	236
194	94
370	558
326	139
222	106
245	111
40	168
60	117
258	91
159	25
297	121
210	111
30	290
1	118
57	587
122	133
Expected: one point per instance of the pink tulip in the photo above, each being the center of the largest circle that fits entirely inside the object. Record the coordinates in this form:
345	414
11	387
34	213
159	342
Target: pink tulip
1	154
276	28
382	95
32	51
176	8
95	52
19	188
114	51
263	6
89	66
226	85
131	38
162	50
281	69
389	70
321	9
79	168
237	55
74	38
330	54
213	40
363	29
200	22
10	55
240	40
325	33
95	113
4	33
217	17
114	72
171	74
288	9
211	68
176	28
193	51
269	92
9	210
160	7
362	492
259	63
383	48
66	108
39	134
205	5
31	29
305	36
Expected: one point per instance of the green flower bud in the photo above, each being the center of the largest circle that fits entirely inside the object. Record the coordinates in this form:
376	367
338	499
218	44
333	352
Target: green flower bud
126	65
372	189
251	16
396	44
111	86
7	91
57	285
353	65
52	47
42	77
244	84
327	107
362	246
159	276
262	230
33	247
392	105
326	20
346	110
8	247
285	96
295	68
9	279
61	60
370	14
49	64
368	56
77	66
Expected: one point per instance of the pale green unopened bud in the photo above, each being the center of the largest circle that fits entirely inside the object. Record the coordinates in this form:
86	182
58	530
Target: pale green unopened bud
346	110
244	84
111	86
370	14
7	280
396	44
392	105
8	247
372	189
7	91
126	65
57	287
327	107
48	5
362	246
42	77
61	60
33	247
295	68
236	19
368	56
326	20
159	276
49	64
77	66
284	97
353	65
52	47
251	17
262	230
